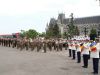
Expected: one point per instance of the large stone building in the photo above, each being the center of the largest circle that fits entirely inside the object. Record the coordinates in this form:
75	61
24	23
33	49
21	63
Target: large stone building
82	23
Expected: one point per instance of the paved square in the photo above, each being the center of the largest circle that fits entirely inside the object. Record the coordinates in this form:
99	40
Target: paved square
16	62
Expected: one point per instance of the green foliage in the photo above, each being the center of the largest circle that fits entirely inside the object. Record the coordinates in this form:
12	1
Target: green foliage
93	31
23	33
56	31
76	31
93	34
43	34
53	31
31	33
72	30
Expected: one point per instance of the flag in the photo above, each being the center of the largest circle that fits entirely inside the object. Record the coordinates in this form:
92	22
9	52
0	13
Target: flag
92	46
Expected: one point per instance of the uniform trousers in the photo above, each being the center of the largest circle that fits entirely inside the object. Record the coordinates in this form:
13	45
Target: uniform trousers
78	57
73	52
70	54
95	65
85	60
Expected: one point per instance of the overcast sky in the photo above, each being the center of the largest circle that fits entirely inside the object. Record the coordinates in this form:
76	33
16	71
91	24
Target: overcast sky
16	15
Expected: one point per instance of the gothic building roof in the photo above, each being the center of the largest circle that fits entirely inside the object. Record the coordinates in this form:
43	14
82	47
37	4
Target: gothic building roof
65	21
87	20
82	20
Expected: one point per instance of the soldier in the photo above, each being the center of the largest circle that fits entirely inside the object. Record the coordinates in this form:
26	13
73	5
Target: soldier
9	42
54	44
95	55
66	44
57	45
38	44
50	45
14	42
60	44
45	46
26	43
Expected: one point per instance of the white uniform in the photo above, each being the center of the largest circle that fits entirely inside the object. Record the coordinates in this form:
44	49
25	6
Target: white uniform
69	46
78	48
73	46
95	54
86	49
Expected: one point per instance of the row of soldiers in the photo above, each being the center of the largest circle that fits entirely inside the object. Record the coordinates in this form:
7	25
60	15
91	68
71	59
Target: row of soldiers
86	49
38	43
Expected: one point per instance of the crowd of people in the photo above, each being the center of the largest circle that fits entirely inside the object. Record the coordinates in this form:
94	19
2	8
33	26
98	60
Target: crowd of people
87	49
34	44
77	48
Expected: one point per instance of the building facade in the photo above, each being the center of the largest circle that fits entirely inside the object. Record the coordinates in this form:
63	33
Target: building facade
84	24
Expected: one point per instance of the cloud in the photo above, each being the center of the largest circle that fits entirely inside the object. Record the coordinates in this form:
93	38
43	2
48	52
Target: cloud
16	7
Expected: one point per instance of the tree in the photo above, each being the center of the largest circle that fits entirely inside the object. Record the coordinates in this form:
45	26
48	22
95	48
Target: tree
23	33
52	31
77	31
71	29
31	33
56	32
43	34
93	34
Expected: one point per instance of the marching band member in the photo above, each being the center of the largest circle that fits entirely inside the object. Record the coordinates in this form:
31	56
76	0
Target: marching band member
73	45
78	49
69	48
95	48
85	53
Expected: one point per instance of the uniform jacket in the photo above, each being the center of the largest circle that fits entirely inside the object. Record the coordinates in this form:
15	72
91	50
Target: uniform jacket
95	54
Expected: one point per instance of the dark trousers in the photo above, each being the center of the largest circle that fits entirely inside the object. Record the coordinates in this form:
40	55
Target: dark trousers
89	54
70	54
78	57
95	64
85	60
73	52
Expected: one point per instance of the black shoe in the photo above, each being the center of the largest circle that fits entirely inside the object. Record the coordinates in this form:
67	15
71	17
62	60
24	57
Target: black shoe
84	66
73	58
78	62
94	73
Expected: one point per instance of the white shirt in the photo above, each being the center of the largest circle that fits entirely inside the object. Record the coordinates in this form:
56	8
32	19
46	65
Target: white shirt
78	48
96	53
73	46
85	49
69	46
